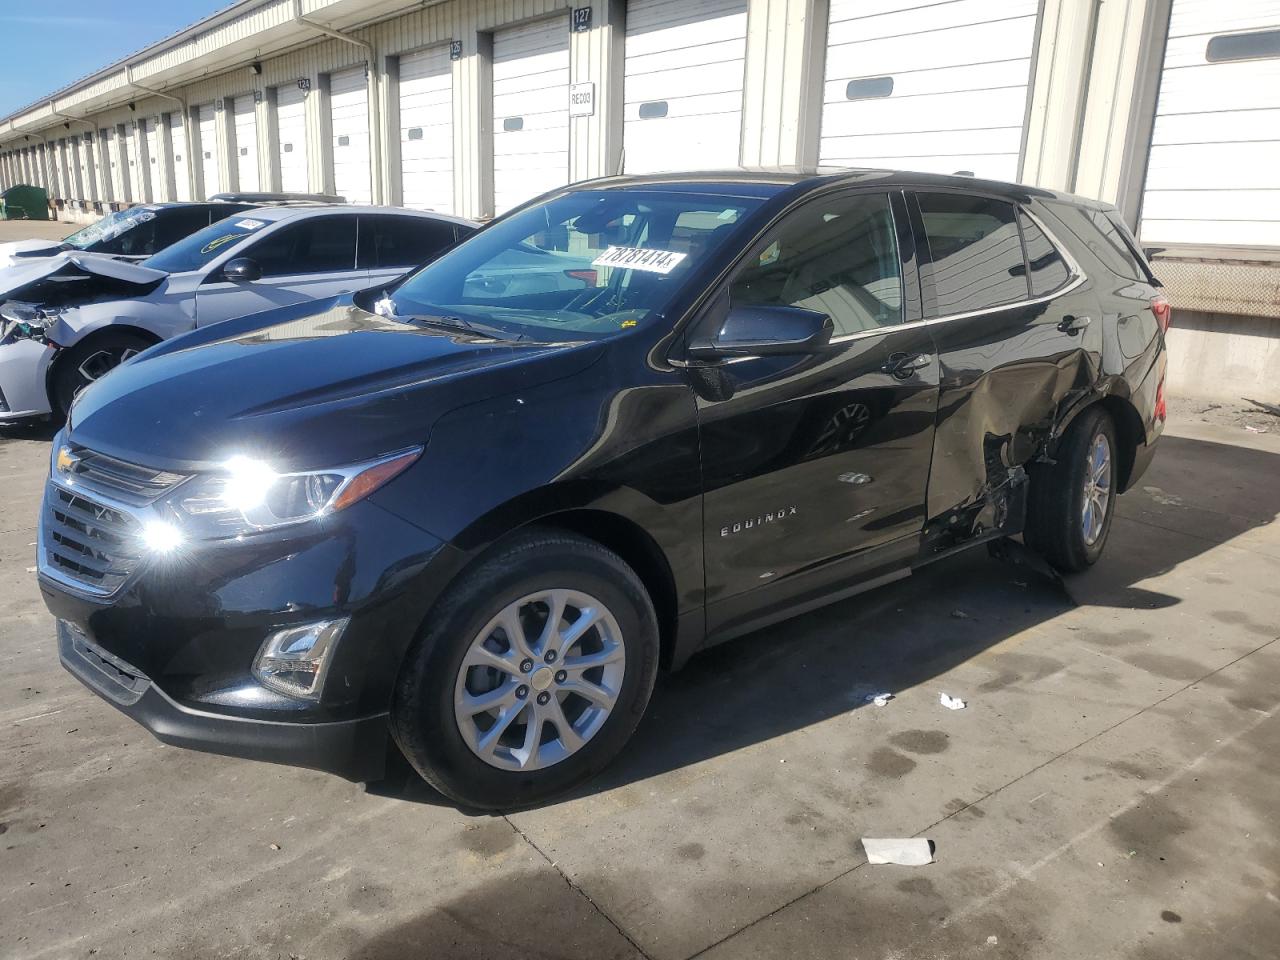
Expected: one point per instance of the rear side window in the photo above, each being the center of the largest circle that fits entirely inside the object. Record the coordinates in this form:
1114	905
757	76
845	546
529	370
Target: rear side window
974	250
401	241
1046	268
314	245
1105	241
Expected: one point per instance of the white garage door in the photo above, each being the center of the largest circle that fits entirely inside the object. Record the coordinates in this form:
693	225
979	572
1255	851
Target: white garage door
134	148
291	124
426	130
210	167
1214	172
246	121
683	90
118	190
84	160
155	162
920	85
349	103
178	143
530	111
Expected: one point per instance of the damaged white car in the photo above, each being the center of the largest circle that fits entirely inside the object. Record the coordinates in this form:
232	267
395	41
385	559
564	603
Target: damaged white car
71	318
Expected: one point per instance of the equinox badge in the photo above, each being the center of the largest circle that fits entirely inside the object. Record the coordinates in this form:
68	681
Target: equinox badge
779	514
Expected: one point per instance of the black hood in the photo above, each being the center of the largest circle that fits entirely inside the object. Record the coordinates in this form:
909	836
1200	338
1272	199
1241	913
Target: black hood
322	389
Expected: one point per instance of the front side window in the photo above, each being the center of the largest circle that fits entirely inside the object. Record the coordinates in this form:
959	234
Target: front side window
204	246
313	245
179	222
585	265
974	250
838	256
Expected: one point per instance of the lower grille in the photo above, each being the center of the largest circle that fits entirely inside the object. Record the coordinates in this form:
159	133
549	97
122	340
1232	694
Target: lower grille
86	543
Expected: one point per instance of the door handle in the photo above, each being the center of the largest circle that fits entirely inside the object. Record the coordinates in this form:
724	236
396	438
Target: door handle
903	365
1074	324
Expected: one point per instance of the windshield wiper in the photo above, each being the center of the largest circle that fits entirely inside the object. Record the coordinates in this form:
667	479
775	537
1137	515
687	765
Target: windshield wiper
459	323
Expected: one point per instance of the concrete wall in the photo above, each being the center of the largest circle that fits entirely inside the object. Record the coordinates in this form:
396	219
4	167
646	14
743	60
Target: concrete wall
1224	357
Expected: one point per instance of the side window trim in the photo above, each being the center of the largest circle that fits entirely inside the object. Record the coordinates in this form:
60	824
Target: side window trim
930	299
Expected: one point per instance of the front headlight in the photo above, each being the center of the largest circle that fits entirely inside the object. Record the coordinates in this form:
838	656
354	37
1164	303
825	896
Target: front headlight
247	495
26	321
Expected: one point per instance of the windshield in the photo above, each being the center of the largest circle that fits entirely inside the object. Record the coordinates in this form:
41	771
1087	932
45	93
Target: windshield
110	227
201	247
582	266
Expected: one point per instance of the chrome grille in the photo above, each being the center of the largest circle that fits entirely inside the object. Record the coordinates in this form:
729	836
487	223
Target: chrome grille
118	479
86	543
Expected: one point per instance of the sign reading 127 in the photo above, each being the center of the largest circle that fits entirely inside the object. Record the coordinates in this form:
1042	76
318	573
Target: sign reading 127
581	19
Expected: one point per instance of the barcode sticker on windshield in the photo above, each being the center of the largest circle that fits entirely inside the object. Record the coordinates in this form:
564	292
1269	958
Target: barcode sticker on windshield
638	258
249	224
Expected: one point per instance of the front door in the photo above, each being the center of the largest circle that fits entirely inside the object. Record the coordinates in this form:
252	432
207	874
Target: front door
303	260
815	467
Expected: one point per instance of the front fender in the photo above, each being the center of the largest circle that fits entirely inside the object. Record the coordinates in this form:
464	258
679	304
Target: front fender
159	320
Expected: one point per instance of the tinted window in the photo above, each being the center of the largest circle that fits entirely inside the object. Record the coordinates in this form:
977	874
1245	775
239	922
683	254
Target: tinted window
1243	46
975	252
203	246
179	222
401	241
314	245
838	256
1048	271
1104	240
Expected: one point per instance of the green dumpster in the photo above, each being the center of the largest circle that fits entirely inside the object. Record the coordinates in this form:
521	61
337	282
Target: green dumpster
24	202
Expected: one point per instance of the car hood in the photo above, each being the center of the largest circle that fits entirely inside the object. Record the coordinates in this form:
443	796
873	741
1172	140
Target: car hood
16	252
19	281
329	387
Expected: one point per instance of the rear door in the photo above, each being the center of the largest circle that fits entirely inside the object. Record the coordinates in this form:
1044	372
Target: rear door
301	260
1018	333
814	467
391	245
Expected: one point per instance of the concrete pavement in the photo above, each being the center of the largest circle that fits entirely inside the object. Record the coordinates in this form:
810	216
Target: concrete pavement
1108	792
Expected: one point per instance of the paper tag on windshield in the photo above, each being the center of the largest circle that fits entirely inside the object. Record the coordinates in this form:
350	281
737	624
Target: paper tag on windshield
638	258
249	224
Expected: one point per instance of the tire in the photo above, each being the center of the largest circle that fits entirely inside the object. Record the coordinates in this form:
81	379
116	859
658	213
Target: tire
98	355
429	713
1058	526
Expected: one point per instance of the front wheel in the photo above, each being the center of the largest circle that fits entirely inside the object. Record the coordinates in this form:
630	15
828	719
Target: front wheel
531	674
1072	501
89	361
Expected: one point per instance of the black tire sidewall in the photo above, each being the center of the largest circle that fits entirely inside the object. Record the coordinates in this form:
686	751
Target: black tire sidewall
423	716
67	379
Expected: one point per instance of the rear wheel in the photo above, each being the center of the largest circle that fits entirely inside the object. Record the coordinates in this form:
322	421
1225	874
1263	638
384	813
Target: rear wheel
90	361
531	675
1072	501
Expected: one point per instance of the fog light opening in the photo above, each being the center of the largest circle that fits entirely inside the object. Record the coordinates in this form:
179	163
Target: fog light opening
294	661
159	536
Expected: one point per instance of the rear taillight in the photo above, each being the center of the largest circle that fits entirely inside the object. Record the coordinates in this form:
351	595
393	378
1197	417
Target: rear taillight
1160	307
588	277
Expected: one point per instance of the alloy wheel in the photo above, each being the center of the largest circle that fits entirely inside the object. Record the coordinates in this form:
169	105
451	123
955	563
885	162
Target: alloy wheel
1097	489
539	680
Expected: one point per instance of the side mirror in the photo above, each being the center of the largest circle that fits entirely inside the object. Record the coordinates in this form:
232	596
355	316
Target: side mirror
766	332
242	270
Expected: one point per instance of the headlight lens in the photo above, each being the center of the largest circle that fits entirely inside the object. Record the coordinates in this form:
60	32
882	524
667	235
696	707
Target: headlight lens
26	321
247	495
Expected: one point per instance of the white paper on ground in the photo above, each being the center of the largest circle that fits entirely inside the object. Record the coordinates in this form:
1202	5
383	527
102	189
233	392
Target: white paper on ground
879	699
907	852
950	702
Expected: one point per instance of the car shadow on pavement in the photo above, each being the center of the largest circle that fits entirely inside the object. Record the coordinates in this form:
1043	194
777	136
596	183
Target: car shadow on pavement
29	430
818	665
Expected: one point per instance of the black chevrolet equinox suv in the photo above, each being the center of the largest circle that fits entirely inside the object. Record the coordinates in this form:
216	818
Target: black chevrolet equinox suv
473	513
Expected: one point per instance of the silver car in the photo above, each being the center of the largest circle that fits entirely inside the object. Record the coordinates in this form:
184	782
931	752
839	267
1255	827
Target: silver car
69	319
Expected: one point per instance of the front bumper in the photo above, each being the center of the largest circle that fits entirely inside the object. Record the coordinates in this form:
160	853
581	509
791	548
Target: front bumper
353	749
24	368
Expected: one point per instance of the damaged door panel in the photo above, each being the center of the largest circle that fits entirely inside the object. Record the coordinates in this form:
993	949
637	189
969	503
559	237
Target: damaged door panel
1014	325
